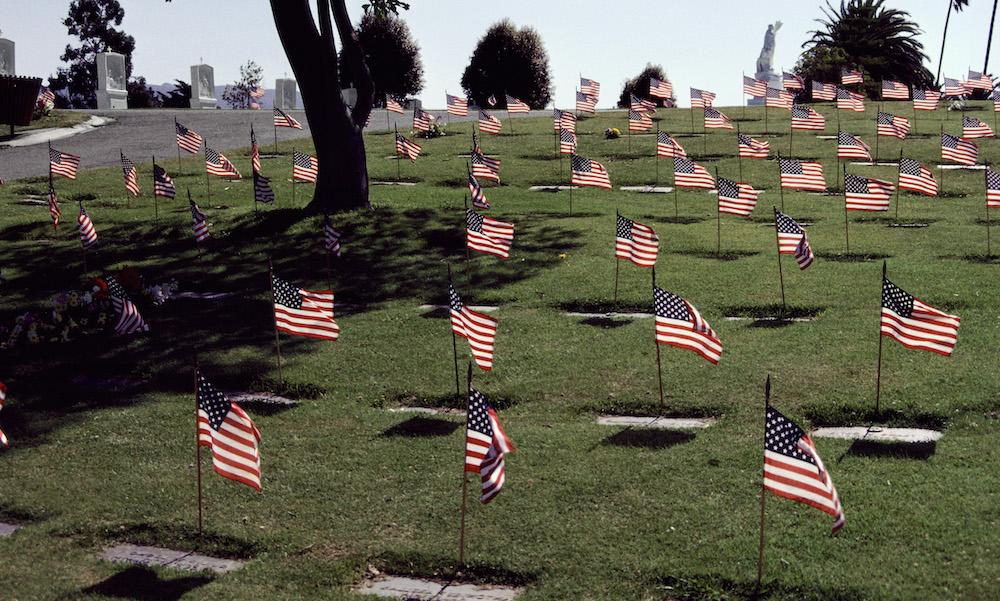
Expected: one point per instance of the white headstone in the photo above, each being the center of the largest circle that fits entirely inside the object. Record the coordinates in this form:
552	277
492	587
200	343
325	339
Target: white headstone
203	87
111	79
284	94
7	57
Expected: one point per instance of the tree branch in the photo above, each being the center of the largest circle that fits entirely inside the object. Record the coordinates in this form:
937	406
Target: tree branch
355	60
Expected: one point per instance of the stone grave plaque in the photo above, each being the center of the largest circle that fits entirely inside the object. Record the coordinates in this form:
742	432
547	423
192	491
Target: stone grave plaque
155	556
111	76
8	529
425	590
7	57
203	87
284	94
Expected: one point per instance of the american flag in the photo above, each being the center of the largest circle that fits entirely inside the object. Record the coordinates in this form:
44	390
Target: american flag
914	176
457	105
974	128
641	104
589	173
791	81
484	166
802	176
992	189
230	433
892	125
282	119
679	324
262	191
63	164
636	242
485	445
848	76
779	99
198	223
162	184
478	329
491	100
978	81
407	148
894	90
688	174
958	150
46	95
421	120
53	206
516	106
487	235
925	100
824	91
217	164
793	469
953	87
305	167
849	147
131	178
303	312
567	142
129	320
753	148
701	99
754	87
586	103
667	146
914	324
590	87
996	101
254	151
3	396
488	123
715	119
257	92
563	120
187	139
792	240
867	194
660	89
850	100
478	196
392	105
639	121
736	198
331	236
88	235
804	117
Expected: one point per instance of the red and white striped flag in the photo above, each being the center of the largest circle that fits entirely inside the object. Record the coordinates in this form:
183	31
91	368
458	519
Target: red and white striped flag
636	242
914	176
792	240
589	173
187	140
791	81
392	105
421	120
754	87
331	236
88	235
736	198
892	125
978	81
778	99
61	163
254	151
488	123
804	117
660	89
850	100
485	445
54	207
162	184
303	312
586	103
407	148
563	120
218	164
801	175
849	147
198	222
915	324
567	142
590	87
457	105
974	128
226	429
925	100
131	178
715	120
848	76
867	194
667	146
484	166
283	119
639	121
487	235
824	91
479	329
958	150
129	319
701	99
679	324
753	148
953	87
641	104
894	90
992	189
305	167
478	196
688	174
516	106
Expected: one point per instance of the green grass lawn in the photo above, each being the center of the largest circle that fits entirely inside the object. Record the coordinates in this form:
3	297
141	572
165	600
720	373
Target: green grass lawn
102	427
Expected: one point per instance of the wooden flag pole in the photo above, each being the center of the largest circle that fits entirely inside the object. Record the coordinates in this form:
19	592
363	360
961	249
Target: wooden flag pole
293	175
275	137
617	266
198	242
52	189
777	239
156	198
675	196
570	184
739	155
791	130
398	158
781	188
468	255
765	112
128	204
941	166
986	176
454	341
274	313
659	366
178	150
208	180
897	183
465	480
847	234
692	118
197	443
704	136
763	489
878	376
718	219
83	247
657	155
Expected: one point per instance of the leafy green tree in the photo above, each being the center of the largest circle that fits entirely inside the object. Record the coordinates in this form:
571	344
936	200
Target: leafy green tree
141	96
93	22
392	56
639	85
512	61
821	63
179	97
880	42
238	94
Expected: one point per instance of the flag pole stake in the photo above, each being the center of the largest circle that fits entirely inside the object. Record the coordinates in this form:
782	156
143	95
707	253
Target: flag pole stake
676	211
454	343
877	136
763	490
55	226
739	155
659	367
942	165
293	175
847	234
657	155
197	445
128	204
274	313
781	188
897	183
986	176
398	158
791	131
718	218
178	150
468	256
461	532
614	305
777	240
878	376
156	199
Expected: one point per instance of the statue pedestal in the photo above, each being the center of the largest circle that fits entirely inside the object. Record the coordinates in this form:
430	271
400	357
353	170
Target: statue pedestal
112	99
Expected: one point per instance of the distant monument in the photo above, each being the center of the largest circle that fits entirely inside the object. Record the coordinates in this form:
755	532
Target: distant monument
203	87
284	94
7	57
111	91
765	63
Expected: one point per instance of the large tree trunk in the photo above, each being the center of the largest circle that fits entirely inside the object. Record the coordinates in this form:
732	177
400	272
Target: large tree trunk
342	182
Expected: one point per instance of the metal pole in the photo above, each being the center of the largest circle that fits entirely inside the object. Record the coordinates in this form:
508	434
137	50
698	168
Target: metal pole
461	535
763	490
197	443
274	313
878	377
777	239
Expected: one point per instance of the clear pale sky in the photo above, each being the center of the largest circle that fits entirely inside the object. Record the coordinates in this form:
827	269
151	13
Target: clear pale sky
701	44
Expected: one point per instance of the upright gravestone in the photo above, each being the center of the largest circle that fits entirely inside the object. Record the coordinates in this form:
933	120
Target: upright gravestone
203	87
765	63
7	57
111	91
284	94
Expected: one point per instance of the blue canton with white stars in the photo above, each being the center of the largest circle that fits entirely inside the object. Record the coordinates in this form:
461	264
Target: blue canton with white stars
782	436
213	403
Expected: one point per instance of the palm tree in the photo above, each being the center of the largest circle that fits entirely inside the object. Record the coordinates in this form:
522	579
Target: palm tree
958	5
989	39
881	42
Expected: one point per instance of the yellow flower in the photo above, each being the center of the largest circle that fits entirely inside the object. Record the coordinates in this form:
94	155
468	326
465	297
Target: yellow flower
562	256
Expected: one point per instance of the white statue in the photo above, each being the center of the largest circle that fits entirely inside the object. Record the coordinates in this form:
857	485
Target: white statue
765	61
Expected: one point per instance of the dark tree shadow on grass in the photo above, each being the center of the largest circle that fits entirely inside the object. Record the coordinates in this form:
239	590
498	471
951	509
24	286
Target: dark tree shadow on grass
143	584
420	427
650	438
711	587
446	569
903	450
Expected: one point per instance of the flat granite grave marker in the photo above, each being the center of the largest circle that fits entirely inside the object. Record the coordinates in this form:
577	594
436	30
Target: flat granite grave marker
425	590
656	422
155	556
8	529
879	434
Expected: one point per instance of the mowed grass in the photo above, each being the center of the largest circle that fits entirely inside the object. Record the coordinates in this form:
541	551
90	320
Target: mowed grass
588	511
